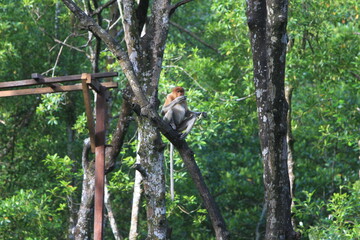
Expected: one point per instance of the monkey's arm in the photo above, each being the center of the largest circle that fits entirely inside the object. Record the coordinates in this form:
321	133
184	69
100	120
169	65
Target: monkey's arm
177	100
197	114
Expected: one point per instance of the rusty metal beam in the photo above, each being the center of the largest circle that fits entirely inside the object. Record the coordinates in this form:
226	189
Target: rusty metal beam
97	133
88	110
70	78
100	163
63	88
39	77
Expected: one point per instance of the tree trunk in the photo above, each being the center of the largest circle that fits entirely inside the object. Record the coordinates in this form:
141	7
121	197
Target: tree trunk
133	233
110	213
87	195
267	22
70	121
152	161
290	146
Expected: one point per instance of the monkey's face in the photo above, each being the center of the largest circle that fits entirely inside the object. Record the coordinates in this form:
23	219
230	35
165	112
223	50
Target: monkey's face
179	91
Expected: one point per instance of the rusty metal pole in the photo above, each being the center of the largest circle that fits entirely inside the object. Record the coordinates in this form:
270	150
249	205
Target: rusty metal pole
99	163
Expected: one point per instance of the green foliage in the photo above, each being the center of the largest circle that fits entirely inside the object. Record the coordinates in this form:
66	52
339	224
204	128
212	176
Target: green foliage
338	218
80	125
322	64
27	215
50	104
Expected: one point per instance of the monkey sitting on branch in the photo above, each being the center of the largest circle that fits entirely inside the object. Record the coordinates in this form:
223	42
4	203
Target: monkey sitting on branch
177	113
181	119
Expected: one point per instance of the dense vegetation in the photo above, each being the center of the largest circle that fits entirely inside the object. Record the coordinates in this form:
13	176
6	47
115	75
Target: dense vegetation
41	140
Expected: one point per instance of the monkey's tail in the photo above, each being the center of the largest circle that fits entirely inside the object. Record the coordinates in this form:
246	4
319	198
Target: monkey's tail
172	171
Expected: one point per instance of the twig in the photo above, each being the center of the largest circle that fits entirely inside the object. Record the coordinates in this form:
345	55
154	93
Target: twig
67	45
194	36
243	98
113	25
99	9
58	56
262	216
188	74
176	5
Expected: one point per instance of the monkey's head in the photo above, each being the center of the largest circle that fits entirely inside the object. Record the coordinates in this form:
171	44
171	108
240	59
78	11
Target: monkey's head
178	91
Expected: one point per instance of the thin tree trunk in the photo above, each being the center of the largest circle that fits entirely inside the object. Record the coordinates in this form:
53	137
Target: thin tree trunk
87	195
262	216
110	214
70	121
290	145
135	206
136	201
267	22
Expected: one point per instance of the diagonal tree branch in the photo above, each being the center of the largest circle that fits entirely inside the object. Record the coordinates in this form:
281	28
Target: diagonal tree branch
123	59
131	32
99	9
157	31
194	36
178	4
118	136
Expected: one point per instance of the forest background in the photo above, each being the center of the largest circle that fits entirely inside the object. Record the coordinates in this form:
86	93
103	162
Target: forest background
208	52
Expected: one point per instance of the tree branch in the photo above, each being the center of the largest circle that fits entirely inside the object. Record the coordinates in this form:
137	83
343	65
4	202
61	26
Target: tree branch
194	36
99	9
68	45
178	4
118	136
131	32
114	47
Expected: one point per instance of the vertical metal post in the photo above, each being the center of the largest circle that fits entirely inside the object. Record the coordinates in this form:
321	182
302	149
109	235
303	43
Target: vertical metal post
99	163
85	77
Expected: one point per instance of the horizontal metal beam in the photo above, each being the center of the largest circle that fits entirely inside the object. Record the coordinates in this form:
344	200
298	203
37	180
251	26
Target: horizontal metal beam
38	81
64	88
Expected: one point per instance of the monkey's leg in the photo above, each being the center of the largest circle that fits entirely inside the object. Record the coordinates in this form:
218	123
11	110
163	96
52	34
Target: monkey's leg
169	118
187	125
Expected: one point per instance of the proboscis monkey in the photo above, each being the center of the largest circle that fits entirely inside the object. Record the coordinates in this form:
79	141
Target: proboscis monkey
181	119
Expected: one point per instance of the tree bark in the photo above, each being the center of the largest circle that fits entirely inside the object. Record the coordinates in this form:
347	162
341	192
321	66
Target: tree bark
290	146
267	22
133	233
152	161
87	195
